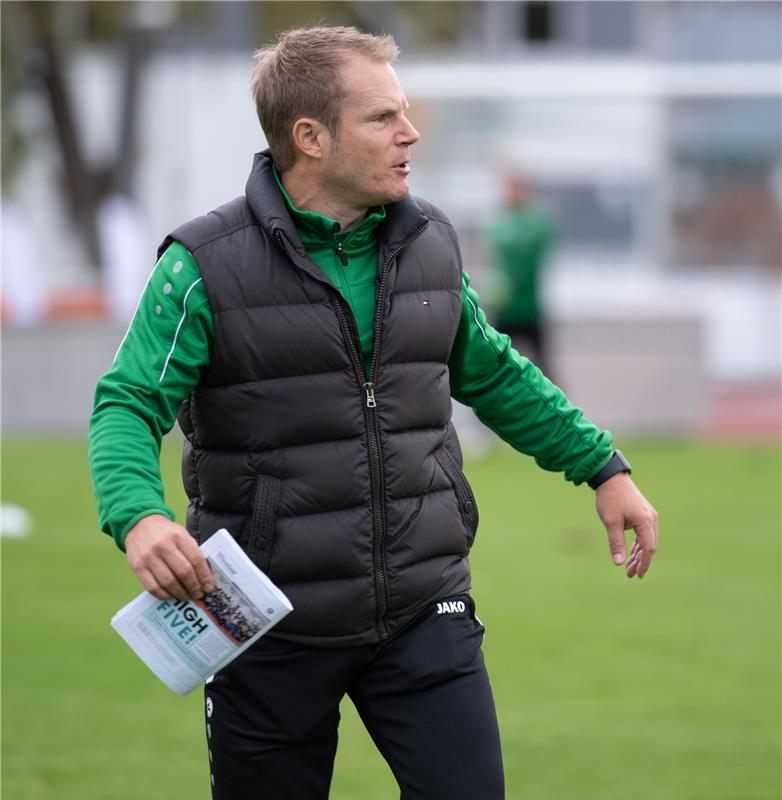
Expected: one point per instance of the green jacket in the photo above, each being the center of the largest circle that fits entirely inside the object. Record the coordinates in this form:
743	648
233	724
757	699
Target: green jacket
169	344
520	241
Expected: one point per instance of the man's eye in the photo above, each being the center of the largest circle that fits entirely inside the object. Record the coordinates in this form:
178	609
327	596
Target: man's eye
382	117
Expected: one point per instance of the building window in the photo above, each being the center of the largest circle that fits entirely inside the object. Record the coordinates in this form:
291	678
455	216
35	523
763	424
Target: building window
725	208
538	21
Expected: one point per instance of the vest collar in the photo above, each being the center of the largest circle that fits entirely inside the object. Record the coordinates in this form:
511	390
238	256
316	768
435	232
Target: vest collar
266	202
403	218
317	230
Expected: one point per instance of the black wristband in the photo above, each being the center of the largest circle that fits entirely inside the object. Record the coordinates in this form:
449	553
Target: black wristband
617	463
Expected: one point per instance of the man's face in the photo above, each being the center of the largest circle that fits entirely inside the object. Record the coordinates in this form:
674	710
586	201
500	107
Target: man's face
368	161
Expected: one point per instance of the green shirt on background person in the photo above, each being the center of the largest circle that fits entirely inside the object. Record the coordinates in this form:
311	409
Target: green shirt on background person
169	345
520	240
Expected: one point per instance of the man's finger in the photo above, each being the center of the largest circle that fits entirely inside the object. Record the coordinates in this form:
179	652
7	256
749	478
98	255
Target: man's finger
149	582
190	575
169	580
616	542
646	536
644	563
184	575
203	575
632	565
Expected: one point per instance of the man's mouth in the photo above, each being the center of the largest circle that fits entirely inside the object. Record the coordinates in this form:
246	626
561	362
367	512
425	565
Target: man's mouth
402	166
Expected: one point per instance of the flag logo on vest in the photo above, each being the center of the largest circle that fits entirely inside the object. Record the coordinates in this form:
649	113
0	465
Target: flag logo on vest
451	607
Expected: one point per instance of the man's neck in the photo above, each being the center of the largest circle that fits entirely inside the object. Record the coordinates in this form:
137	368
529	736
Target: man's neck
308	194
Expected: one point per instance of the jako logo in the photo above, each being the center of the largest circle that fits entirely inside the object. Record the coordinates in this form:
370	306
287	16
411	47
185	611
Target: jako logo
451	607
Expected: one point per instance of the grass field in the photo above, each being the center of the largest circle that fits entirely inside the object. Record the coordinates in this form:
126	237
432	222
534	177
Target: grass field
664	689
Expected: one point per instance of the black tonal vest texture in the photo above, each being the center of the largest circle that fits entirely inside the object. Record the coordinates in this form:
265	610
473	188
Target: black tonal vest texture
347	492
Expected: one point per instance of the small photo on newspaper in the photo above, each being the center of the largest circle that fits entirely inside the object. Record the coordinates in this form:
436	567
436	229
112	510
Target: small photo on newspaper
184	642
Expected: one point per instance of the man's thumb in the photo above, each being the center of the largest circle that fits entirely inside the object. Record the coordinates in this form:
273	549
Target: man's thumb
616	543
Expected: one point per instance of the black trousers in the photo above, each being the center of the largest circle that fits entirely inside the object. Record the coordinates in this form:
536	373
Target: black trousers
424	696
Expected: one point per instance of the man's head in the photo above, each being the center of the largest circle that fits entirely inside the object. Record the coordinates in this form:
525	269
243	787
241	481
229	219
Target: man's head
518	192
330	96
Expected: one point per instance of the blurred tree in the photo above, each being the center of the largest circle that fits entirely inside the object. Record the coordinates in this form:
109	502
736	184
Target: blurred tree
420	25
13	142
38	40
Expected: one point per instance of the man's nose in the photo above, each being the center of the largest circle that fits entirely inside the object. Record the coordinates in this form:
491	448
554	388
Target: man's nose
408	135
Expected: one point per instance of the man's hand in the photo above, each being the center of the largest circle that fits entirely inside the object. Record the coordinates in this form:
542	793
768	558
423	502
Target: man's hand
621	506
167	559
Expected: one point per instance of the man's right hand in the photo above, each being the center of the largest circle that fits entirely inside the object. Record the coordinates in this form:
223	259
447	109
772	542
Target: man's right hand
167	560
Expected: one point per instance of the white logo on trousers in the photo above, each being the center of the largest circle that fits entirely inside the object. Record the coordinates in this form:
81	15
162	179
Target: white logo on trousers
451	607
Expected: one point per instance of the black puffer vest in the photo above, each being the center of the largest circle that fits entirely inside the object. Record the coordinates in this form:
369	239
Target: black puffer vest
348	492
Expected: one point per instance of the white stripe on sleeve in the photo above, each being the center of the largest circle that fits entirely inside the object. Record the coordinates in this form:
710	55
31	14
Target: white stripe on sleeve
178	328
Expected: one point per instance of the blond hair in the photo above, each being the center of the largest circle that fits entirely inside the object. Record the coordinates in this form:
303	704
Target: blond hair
300	76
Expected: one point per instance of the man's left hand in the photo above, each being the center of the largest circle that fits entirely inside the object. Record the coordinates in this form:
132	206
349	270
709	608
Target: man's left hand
621	506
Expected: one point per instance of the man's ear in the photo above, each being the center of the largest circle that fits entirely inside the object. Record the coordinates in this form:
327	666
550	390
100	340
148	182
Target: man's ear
310	137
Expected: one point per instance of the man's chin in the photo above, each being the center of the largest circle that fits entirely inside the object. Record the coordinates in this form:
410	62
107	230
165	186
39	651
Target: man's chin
395	193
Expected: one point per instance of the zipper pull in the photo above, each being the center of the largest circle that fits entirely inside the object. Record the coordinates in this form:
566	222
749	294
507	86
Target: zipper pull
341	253
369	388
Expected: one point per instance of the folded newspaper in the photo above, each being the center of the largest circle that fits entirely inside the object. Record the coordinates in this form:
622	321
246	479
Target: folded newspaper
184	642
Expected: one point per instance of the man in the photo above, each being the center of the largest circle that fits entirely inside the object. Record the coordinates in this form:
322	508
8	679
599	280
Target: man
520	242
310	334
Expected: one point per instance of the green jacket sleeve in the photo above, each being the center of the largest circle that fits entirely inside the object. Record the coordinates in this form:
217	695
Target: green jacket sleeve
159	362
510	395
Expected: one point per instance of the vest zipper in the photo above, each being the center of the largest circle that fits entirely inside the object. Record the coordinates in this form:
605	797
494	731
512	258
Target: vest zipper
341	253
377	481
377	490
369	404
381	292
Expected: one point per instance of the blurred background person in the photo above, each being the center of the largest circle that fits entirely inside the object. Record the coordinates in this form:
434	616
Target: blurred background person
520	241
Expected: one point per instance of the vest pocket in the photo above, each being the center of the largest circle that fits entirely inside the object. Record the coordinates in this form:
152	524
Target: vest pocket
464	496
259	539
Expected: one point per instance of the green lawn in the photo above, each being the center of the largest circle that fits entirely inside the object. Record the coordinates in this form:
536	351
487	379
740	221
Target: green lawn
667	689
